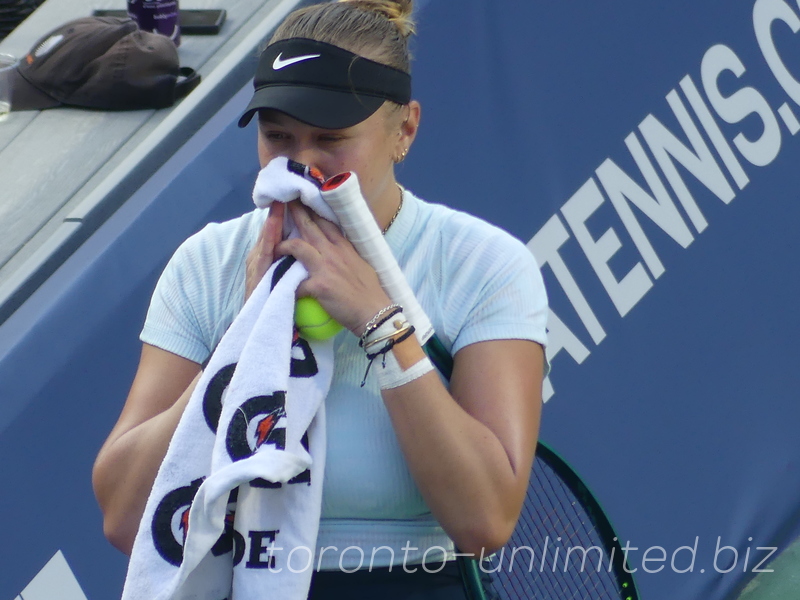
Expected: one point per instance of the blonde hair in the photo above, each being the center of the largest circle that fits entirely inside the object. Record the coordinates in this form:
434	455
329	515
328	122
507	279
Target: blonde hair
375	29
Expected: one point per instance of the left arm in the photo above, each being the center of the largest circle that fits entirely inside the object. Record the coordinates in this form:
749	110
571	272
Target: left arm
470	450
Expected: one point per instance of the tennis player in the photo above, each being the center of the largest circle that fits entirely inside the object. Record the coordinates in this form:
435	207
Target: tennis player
415	467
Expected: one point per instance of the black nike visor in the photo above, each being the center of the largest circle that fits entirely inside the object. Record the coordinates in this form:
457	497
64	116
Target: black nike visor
323	85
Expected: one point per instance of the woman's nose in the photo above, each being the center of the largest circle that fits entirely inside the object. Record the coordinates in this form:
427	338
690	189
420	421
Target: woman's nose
309	156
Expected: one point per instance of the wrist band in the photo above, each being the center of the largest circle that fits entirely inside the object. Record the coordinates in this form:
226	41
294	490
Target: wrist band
398	336
392	376
386	329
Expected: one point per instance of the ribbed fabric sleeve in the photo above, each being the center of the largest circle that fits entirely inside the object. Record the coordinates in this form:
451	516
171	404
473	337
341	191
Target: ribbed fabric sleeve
202	288
475	281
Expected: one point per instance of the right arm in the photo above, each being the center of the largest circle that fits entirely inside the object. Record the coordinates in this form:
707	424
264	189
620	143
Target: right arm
128	462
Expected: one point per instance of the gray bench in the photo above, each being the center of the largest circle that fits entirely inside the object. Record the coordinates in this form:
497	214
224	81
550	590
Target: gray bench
64	171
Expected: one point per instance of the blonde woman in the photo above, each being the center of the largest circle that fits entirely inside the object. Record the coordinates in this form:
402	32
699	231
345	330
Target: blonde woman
411	469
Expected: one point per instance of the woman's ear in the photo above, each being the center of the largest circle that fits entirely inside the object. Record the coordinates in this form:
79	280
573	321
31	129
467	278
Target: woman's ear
408	127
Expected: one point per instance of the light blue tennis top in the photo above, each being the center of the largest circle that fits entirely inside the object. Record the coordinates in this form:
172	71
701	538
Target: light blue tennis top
474	281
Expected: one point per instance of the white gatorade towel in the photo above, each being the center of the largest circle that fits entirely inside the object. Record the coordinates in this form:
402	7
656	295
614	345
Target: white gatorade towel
234	510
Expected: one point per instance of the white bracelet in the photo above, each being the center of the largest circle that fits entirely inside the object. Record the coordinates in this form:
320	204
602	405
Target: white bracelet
392	376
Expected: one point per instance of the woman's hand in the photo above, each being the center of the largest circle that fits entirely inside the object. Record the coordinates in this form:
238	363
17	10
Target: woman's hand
262	255
344	283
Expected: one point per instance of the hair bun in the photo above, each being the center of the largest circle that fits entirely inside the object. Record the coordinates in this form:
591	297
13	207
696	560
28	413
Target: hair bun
397	11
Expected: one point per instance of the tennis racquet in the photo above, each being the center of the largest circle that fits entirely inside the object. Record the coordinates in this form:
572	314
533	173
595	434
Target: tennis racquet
564	546
343	194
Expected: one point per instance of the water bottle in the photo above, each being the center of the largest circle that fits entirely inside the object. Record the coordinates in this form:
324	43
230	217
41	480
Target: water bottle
158	16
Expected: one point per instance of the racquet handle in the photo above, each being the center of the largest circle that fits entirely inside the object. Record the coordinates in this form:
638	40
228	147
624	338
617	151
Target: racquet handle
343	194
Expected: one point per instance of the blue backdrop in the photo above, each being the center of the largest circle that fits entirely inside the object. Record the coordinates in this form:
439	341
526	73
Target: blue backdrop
646	151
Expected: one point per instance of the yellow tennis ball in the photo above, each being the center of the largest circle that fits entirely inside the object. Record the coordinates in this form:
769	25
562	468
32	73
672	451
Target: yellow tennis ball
313	322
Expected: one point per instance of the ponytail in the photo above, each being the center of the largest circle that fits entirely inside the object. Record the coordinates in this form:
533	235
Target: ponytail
397	12
375	29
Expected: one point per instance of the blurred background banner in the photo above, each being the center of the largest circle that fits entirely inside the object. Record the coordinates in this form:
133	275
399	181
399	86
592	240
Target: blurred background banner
648	154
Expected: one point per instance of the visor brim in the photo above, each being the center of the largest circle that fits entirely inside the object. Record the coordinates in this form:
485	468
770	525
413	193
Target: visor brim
327	109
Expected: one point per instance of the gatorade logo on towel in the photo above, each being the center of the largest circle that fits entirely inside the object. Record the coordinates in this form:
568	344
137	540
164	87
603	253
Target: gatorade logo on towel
171	522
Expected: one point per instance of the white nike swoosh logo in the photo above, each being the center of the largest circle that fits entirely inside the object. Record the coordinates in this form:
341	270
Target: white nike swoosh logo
278	64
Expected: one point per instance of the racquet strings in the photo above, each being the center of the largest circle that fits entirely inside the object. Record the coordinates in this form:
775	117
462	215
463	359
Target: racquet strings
544	559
